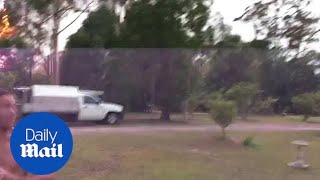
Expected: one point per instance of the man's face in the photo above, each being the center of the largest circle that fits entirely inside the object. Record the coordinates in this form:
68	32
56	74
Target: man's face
7	111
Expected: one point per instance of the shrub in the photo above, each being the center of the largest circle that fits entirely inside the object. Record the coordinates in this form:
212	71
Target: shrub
249	142
7	80
213	96
264	106
316	98
304	104
243	94
191	104
223	112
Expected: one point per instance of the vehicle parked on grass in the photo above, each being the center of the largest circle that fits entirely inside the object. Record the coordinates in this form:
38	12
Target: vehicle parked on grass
68	102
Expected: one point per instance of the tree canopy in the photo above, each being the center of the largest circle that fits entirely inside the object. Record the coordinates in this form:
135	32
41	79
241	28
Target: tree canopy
141	60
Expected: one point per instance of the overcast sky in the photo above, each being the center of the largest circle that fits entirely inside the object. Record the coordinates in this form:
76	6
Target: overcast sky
230	9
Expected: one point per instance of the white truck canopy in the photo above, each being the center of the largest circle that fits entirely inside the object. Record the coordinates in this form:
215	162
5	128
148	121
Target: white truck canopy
53	98
91	93
54	90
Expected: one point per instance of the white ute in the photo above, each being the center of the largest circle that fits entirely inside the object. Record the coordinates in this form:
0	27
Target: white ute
68	102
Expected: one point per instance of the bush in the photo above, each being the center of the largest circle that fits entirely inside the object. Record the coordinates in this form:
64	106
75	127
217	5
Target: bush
7	80
211	97
243	94
316	98
191	104
248	142
304	104
264	106
223	112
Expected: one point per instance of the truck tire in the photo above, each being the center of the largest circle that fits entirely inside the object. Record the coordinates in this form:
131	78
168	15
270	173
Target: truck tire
112	119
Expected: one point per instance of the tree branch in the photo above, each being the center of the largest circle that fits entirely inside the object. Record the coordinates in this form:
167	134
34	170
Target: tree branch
240	17
64	9
313	34
82	11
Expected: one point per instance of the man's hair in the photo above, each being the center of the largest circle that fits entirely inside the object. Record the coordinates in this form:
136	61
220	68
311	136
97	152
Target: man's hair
4	92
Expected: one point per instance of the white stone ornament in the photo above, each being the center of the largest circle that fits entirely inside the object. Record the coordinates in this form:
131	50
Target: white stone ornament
300	162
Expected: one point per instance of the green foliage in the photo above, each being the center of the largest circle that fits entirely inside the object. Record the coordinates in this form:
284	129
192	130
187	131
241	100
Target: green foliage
153	25
13	42
98	31
241	91
7	80
231	66
223	112
264	106
249	142
254	62
165	77
270	18
316	98
243	94
284	80
209	98
40	5
305	104
259	44
159	75
77	62
159	24
230	41
20	59
216	95
37	21
40	79
193	102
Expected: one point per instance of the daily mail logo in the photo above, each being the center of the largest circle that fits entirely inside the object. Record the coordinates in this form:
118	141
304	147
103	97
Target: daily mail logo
41	143
33	150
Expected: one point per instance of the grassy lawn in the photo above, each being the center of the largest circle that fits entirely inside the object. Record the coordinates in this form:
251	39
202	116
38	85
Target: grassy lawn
189	156
299	119
203	119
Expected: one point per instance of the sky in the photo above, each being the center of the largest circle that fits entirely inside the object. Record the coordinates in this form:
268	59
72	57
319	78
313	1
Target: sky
230	9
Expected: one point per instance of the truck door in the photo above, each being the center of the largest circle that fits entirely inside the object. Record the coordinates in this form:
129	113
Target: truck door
90	109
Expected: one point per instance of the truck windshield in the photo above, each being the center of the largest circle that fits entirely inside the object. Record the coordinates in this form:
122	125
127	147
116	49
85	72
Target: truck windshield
97	99
91	100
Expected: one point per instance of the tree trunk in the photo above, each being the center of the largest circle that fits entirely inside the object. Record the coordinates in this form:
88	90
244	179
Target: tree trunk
186	110
153	85
54	45
25	26
166	89
223	133
244	109
244	112
165	114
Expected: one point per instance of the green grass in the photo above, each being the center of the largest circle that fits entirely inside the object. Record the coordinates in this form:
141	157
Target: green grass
204	119
299	119
189	156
